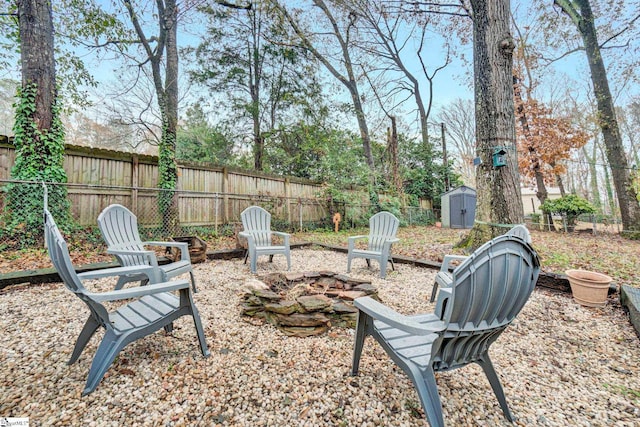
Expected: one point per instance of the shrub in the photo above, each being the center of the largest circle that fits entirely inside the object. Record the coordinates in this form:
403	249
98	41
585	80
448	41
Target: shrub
570	206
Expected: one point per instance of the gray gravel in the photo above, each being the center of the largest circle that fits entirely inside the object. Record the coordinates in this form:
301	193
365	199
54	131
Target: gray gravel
560	363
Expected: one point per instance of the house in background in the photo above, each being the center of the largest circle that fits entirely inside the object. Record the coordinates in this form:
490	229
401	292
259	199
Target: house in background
530	201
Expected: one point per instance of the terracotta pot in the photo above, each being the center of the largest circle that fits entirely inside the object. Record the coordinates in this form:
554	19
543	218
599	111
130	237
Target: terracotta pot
588	287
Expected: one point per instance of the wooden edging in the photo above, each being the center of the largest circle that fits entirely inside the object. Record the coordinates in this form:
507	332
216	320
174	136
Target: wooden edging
556	282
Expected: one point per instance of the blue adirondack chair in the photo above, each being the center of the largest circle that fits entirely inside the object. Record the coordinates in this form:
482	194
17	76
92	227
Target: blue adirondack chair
119	228
150	308
444	277
256	222
487	291
383	227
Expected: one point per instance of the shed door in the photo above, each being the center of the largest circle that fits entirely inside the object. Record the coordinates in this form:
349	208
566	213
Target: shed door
470	210
462	210
456	210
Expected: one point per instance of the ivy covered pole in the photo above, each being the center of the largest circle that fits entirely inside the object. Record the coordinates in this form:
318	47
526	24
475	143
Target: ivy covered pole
39	134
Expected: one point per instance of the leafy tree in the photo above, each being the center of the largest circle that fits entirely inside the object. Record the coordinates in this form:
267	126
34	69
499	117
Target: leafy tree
334	29
246	58
199	141
422	174
544	141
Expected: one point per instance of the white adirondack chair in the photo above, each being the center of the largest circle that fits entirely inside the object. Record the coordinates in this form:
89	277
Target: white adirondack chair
149	309
256	222
119	228
487	292
383	227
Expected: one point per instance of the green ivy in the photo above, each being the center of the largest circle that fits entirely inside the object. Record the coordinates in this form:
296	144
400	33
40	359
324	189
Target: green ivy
39	158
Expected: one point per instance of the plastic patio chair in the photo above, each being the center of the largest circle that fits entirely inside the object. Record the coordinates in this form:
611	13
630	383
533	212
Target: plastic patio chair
443	278
119	228
149	308
488	290
383	227
256	222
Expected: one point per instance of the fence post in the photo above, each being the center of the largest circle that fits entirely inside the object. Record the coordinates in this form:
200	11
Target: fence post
217	202
134	182
287	193
225	195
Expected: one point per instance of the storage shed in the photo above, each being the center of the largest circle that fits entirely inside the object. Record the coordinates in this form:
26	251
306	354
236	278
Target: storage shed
458	207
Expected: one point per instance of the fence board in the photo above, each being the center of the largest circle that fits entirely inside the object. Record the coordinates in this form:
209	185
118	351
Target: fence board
207	195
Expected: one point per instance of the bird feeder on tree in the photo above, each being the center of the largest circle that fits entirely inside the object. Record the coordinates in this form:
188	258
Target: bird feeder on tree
499	157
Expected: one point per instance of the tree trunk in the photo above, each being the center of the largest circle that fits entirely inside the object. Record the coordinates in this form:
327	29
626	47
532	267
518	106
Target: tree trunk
499	201
627	196
36	54
167	152
167	93
393	151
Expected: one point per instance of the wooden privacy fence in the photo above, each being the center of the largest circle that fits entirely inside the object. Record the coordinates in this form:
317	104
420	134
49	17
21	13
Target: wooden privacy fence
207	195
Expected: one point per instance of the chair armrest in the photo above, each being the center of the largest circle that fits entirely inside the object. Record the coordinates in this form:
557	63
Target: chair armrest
392	241
444	294
149	255
183	246
352	241
140	291
285	236
446	261
150	271
379	311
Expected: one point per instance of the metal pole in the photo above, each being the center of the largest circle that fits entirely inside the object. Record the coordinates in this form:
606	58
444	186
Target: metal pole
444	158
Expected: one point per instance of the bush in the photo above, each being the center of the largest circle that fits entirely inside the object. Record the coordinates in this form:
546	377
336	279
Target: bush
570	206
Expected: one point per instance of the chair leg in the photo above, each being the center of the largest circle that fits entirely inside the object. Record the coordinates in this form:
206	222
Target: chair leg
288	261
199	330
193	281
348	264
361	333
383	269
105	355
427	389
90	328
433	292
254	263
492	376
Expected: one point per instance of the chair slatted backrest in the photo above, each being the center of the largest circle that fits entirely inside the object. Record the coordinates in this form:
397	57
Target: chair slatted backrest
61	260
382	226
119	228
489	290
257	221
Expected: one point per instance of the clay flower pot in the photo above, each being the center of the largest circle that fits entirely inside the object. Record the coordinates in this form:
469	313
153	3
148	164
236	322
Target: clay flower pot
588	287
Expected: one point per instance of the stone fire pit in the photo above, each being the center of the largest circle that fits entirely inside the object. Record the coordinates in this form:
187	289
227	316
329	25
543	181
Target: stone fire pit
305	304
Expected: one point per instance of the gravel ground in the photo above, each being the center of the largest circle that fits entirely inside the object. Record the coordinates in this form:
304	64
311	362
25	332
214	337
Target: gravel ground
560	363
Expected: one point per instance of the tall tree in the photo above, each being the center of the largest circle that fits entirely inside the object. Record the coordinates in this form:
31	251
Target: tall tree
341	33
39	135
389	39
246	57
161	53
499	201
581	14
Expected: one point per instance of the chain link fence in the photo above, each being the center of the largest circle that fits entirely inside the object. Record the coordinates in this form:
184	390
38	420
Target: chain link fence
164	215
